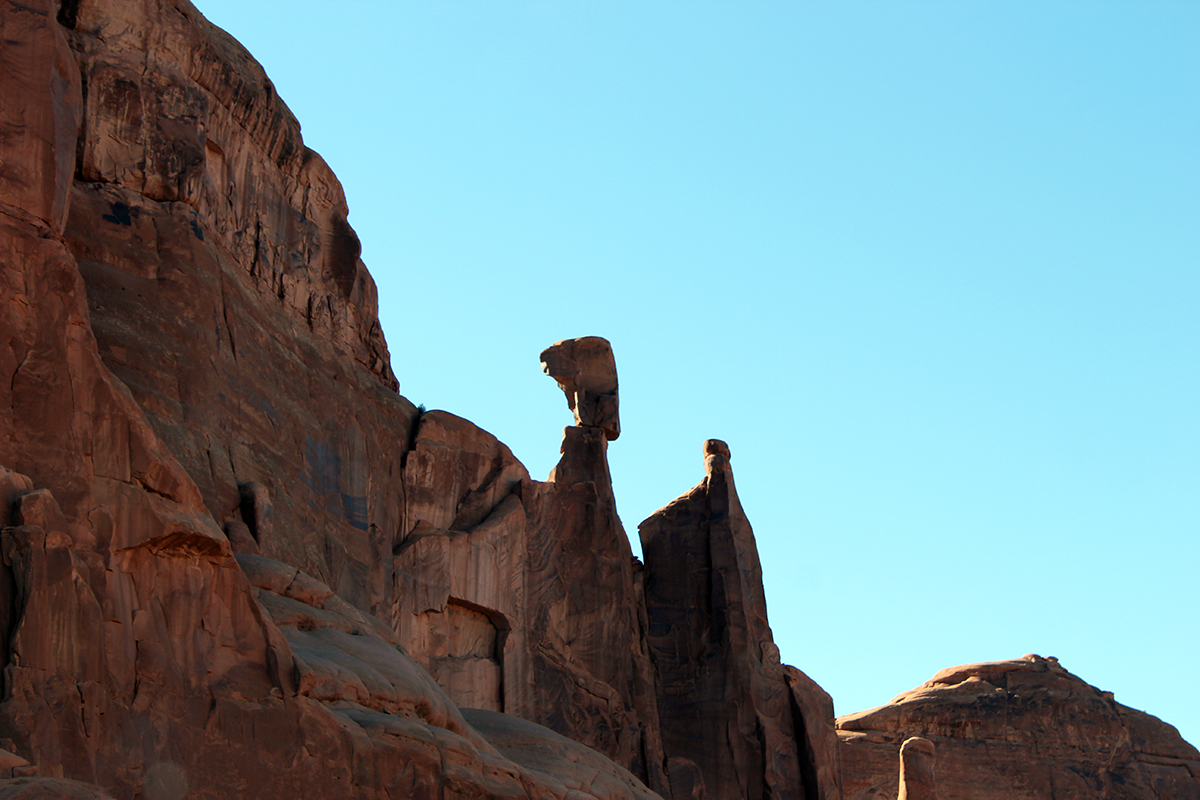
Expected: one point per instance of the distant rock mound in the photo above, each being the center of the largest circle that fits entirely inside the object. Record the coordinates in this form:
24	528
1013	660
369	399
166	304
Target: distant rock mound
1025	729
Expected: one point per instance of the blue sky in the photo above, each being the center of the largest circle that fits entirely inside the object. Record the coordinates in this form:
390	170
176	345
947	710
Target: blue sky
931	269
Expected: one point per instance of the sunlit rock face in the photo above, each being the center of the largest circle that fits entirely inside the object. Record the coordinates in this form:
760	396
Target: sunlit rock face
586	371
1025	729
918	760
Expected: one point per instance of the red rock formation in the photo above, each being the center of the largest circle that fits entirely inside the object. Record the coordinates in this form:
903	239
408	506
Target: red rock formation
733	719
202	224
519	595
226	293
587	374
1026	730
191	367
917	780
140	655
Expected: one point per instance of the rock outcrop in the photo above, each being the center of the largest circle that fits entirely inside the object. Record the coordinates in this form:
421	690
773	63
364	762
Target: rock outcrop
520	595
1021	730
221	526
734	720
917	764
191	364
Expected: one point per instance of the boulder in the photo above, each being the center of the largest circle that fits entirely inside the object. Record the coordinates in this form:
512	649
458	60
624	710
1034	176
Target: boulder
587	373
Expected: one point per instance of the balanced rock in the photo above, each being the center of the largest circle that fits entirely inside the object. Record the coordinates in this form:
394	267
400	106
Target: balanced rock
587	374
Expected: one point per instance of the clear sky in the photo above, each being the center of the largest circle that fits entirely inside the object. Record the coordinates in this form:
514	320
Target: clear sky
931	269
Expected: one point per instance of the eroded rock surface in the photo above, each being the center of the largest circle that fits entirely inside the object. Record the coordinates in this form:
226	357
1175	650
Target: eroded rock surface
520	596
917	766
1025	729
190	349
226	293
741	722
220	525
587	373
557	760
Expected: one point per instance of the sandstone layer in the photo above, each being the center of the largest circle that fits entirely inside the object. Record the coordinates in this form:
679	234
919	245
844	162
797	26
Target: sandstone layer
1025	729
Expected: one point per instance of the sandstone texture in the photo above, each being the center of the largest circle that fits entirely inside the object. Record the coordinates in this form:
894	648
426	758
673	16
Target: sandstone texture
587	373
192	368
519	596
735	719
917	766
1025	729
235	562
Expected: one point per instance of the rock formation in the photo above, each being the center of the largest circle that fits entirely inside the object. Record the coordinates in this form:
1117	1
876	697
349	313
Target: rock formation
587	374
1021	730
917	759
731	714
190	349
221	526
519	595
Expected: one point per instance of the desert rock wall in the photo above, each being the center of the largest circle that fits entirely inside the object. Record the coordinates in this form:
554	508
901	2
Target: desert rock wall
163	386
234	561
226	293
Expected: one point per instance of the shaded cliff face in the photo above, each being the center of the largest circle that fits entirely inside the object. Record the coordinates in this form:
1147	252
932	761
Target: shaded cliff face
1024	729
735	722
226	293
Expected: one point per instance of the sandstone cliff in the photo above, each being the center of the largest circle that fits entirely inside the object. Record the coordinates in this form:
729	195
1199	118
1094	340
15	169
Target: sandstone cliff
192	359
221	526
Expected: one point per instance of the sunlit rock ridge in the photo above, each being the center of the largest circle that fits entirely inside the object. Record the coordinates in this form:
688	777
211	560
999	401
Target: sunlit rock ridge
237	563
